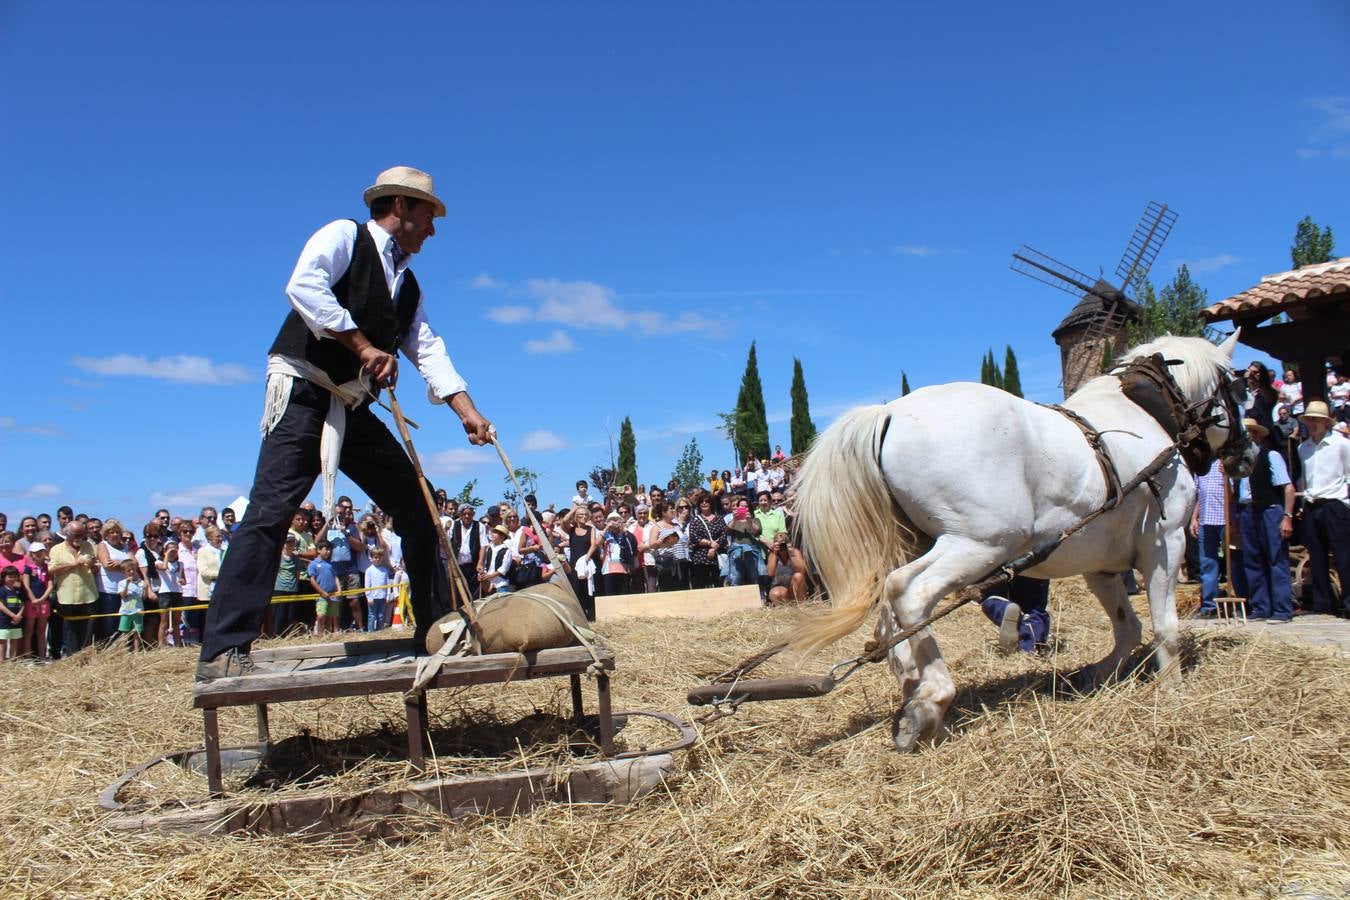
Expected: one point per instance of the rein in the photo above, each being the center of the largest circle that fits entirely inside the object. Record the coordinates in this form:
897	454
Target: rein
1186	427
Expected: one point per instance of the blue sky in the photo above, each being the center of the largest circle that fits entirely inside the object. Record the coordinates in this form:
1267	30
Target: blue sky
636	191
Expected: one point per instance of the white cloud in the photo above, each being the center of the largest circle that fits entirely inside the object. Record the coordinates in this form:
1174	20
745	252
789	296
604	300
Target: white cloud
191	499
1330	137
181	368
34	492
592	306
9	423
1212	263
541	441
557	342
915	250
485	282
456	461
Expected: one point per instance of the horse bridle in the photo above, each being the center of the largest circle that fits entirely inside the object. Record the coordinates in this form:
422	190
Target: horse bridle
1231	394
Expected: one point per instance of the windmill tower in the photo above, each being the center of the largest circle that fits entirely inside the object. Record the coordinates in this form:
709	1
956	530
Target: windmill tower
1094	329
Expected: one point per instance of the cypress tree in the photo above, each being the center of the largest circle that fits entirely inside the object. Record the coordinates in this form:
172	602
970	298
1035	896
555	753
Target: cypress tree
904	383
1012	380
803	429
752	420
989	373
627	466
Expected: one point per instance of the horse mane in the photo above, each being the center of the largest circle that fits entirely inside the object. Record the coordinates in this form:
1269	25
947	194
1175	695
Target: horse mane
1201	363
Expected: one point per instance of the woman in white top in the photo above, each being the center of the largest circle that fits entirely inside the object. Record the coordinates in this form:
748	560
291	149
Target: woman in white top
209	557
111	551
665	538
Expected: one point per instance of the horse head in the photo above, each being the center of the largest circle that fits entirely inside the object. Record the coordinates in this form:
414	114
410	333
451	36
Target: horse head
1214	399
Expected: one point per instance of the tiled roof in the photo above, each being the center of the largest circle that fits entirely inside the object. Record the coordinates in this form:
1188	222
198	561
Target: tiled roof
1296	285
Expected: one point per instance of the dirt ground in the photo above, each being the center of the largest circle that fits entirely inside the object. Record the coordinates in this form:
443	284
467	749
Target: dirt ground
1236	785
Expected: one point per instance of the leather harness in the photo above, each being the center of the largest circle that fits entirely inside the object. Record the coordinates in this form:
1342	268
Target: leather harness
1147	383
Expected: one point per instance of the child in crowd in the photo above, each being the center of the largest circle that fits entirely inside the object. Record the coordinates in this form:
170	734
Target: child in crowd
169	587
37	585
496	563
377	589
11	613
323	578
287	584
131	612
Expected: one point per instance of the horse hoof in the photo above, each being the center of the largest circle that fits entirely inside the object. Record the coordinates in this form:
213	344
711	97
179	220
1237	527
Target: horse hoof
904	732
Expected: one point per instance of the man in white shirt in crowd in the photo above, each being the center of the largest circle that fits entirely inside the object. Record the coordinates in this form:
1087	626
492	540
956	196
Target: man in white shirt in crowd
1326	505
354	304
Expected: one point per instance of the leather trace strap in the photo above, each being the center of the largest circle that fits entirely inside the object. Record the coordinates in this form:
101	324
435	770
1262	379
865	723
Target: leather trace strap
1114	495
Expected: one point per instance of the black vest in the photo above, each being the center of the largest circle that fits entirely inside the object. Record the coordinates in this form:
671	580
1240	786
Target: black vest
457	539
363	292
1264	493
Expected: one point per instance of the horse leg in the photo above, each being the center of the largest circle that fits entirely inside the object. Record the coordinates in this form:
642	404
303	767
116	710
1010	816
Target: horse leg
1162	605
912	591
1126	628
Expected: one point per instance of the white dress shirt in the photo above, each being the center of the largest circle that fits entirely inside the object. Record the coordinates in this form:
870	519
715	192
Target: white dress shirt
323	262
1326	467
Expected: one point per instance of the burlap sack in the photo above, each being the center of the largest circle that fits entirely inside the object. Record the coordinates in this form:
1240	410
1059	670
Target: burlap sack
518	622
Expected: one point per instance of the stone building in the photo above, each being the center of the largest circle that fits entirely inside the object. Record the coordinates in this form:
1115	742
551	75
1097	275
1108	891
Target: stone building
1096	322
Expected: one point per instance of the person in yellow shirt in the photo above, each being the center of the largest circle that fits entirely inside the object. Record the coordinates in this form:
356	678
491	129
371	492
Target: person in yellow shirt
72	566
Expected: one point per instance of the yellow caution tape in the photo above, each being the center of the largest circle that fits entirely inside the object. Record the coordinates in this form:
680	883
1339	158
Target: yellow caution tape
284	598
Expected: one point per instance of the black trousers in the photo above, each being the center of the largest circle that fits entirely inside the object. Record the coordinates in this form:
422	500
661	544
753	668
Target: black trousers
1326	530
288	463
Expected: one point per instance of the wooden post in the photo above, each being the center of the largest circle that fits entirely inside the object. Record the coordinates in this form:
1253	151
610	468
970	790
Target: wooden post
264	732
414	707
213	775
578	709
606	715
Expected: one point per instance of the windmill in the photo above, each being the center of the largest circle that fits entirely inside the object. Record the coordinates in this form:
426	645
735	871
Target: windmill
1095	328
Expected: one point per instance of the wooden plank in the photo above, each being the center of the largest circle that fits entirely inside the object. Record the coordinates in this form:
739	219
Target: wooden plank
353	681
704	603
375	813
336	649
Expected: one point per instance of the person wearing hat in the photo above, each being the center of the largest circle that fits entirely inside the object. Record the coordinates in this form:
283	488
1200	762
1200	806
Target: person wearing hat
355	303
496	562
1265	522
1325	456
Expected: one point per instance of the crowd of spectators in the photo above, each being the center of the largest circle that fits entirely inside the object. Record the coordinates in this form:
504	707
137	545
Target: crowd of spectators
1296	497
82	580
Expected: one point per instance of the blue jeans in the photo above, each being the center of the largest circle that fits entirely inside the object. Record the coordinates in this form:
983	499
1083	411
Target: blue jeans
1265	557
1032	629
374	613
743	565
1211	539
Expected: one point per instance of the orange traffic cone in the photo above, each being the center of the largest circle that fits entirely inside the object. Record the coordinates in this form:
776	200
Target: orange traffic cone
397	621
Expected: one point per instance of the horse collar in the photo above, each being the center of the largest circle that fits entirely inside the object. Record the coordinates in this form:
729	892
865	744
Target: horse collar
1148	384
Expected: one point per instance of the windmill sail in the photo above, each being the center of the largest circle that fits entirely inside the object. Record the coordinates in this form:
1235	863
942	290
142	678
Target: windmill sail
1153	228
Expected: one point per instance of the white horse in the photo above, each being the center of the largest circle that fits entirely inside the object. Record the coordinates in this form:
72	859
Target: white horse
972	477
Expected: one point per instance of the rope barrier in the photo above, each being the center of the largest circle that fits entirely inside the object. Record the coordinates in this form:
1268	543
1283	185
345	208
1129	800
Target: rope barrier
275	601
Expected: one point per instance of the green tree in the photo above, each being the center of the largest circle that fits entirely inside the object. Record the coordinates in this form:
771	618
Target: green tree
529	483
1175	311
626	472
1312	245
989	373
688	472
1108	357
904	383
803	429
602	477
1012	379
466	497
752	421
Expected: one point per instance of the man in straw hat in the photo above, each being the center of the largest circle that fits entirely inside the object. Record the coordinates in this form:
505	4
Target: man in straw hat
354	304
1266	521
1326	511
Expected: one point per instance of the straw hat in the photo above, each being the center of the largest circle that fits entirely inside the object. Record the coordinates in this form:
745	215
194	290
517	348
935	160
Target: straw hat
502	530
1316	409
404	181
1255	427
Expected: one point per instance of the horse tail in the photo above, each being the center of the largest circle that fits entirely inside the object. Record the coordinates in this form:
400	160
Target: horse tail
848	522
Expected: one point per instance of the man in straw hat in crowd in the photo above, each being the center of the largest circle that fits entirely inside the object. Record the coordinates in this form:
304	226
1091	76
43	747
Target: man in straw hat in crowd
1326	510
1266	521
354	304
